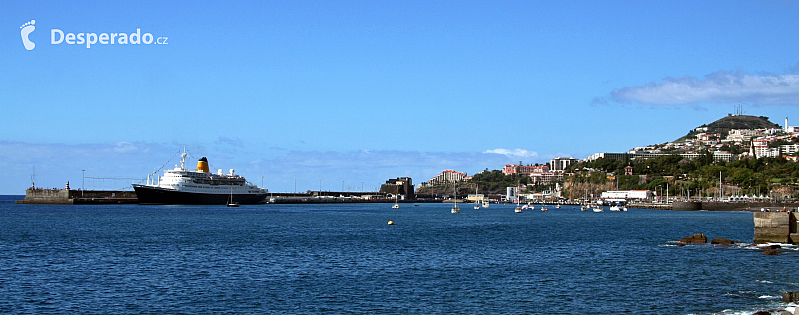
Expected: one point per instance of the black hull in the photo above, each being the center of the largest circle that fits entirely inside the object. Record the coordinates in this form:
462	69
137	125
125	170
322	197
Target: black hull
160	196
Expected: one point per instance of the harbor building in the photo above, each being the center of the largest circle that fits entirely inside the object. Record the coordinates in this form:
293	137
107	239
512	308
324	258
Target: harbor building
401	186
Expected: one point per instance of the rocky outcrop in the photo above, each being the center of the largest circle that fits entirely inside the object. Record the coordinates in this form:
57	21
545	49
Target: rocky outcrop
723	241
771	252
790	297
697	238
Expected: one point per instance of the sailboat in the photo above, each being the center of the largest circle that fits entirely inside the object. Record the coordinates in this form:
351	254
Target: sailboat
518	208
230	202
476	202
396	203
455	208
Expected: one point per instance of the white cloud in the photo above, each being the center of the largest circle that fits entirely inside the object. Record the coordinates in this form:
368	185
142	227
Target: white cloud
717	87
514	152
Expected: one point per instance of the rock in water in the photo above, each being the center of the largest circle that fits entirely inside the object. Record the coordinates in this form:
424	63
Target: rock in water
720	240
771	252
790	297
697	238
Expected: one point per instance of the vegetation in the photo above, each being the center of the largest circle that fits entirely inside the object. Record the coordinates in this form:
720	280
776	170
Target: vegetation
775	177
672	174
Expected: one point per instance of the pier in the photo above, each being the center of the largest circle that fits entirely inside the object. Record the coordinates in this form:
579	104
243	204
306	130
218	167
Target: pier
67	196
775	227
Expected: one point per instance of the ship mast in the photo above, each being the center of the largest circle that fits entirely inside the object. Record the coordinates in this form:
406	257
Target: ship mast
183	160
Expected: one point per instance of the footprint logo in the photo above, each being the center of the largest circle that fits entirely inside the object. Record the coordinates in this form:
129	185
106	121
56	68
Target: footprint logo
27	28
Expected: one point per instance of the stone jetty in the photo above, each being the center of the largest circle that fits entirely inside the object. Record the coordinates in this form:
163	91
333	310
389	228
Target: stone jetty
775	227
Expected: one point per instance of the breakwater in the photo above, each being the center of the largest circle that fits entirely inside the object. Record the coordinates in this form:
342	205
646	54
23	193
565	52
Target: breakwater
775	227
732	206
69	197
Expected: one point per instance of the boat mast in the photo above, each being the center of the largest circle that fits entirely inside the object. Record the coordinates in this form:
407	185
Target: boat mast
183	159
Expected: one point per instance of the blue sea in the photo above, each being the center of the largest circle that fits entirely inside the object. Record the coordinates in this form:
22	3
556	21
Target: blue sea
345	258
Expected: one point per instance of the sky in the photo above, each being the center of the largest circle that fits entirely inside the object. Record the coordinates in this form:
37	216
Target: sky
348	94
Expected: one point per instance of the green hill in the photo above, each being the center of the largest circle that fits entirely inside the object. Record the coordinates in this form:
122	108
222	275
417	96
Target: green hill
741	122
735	122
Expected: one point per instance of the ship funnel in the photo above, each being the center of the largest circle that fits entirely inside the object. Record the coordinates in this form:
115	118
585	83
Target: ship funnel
202	165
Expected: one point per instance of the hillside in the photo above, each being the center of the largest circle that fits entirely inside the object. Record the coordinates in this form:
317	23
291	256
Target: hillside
741	122
735	122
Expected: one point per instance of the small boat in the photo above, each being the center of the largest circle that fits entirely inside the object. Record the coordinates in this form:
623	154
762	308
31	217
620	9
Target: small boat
544	209
476	202
584	208
396	204
230	202
518	208
614	208
485	203
598	209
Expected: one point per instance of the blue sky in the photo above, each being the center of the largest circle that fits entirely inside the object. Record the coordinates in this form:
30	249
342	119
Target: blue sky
354	92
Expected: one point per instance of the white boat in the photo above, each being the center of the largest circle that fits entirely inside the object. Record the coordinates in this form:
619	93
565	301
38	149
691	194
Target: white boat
485	203
598	209
476	202
230	202
544	209
557	206
614	208
180	186
518	208
584	208
396	204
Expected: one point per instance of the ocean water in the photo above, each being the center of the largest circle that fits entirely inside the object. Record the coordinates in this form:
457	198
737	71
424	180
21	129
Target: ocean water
345	258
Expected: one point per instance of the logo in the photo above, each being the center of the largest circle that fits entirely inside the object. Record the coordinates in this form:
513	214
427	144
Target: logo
27	28
58	36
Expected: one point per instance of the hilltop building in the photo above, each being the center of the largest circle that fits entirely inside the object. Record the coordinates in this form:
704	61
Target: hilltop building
524	169
447	176
632	155
561	163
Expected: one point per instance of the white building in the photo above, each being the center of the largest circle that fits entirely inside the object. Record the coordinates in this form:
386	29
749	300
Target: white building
511	194
626	195
447	176
561	163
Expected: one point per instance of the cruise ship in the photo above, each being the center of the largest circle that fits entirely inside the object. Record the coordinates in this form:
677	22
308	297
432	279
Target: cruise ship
180	186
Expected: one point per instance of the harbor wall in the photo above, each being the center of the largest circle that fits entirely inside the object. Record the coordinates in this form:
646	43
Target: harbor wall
46	196
68	197
775	227
731	206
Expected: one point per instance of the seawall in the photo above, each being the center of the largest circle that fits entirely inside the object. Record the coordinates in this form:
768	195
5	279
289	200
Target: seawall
69	197
775	227
731	206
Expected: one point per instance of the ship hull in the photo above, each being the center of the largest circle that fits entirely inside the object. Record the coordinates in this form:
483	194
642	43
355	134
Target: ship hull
148	195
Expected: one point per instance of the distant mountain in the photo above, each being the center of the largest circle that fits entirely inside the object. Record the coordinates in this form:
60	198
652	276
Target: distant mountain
734	122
